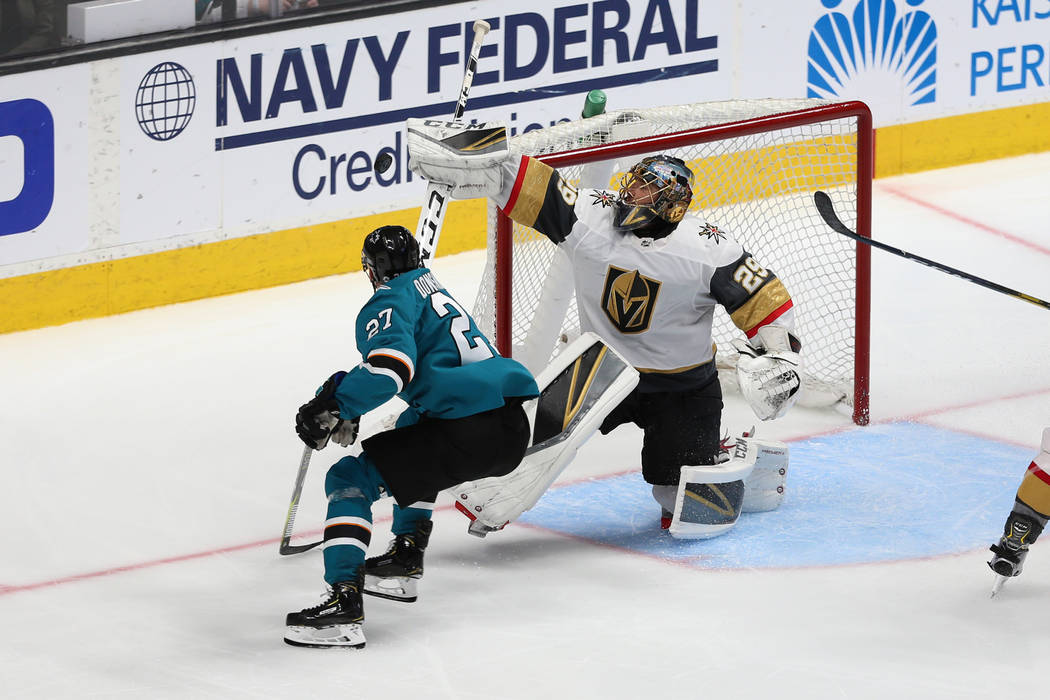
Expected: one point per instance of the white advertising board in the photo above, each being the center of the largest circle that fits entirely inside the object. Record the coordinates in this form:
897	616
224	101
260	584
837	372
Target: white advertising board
44	135
276	131
291	123
909	60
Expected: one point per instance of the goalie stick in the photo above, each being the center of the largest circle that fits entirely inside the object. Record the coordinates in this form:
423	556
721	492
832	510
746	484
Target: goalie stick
827	212
432	214
289	521
428	229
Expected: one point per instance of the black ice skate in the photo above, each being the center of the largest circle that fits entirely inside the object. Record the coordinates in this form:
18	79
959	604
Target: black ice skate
337	622
395	575
1012	548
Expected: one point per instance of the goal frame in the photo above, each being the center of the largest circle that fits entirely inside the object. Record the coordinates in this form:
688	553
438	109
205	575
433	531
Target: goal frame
654	144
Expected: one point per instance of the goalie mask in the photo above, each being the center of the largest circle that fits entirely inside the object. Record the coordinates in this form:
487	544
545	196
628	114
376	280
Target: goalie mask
388	251
654	196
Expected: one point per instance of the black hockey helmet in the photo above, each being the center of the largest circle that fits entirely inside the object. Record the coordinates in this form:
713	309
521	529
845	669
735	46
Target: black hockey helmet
664	202
388	251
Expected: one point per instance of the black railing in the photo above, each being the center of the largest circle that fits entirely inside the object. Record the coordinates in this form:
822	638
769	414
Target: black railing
62	50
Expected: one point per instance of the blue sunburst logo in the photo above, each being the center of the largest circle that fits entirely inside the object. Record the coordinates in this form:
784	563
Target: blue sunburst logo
874	48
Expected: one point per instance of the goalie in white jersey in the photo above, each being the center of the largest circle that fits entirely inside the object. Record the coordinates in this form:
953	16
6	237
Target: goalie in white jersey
647	277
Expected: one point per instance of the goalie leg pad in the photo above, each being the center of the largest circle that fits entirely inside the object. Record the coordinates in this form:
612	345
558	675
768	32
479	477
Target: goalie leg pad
764	488
710	497
580	387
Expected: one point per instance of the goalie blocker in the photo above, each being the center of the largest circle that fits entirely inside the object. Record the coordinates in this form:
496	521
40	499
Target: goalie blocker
711	497
578	389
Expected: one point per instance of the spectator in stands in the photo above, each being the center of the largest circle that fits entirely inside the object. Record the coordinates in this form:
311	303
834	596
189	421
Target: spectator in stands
292	5
209	11
26	26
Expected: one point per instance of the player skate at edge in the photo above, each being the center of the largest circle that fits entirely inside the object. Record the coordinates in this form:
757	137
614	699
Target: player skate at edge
464	421
647	277
1026	520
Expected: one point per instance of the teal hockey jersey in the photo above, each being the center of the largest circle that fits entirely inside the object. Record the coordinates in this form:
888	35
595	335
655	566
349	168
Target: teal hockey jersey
417	342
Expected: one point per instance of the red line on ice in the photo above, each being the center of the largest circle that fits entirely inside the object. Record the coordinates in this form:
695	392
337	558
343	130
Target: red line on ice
969	222
5	589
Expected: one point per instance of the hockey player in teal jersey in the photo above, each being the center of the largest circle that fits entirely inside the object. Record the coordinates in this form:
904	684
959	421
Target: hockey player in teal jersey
464	421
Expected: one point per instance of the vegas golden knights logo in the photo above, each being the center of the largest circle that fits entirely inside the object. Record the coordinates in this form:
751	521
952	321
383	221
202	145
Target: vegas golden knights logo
628	299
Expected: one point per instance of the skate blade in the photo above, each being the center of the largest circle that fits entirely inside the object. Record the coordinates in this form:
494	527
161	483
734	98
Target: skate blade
998	585
333	637
402	588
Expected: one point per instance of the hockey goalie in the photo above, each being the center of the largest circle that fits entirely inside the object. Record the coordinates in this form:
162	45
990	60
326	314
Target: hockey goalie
647	277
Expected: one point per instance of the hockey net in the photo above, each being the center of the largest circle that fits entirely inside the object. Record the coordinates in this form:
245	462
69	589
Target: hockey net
757	164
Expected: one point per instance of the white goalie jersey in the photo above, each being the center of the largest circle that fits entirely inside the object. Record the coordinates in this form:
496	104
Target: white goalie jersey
653	299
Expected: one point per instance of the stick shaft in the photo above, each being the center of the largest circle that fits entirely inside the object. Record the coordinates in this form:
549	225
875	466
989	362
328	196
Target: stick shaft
293	508
827	212
432	215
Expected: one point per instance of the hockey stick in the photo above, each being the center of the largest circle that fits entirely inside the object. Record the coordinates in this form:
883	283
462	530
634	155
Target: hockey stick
432	214
827	212
289	521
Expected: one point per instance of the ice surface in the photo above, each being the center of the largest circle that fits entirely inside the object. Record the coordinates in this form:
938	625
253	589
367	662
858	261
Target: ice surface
147	461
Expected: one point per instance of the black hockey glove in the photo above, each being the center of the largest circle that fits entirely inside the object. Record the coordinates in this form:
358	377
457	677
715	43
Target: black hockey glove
318	419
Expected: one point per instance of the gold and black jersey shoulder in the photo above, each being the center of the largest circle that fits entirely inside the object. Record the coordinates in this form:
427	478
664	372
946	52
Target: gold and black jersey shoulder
542	200
752	294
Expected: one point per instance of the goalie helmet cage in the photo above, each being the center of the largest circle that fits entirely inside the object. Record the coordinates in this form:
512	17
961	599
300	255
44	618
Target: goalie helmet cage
757	164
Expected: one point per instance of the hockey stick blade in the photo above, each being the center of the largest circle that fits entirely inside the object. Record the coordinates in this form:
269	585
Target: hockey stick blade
827	212
289	521
298	548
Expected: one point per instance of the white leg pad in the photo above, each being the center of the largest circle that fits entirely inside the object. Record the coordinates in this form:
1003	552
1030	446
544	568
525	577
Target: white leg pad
710	497
764	488
579	388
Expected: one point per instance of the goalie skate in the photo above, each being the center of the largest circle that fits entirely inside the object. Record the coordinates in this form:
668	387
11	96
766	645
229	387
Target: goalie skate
579	388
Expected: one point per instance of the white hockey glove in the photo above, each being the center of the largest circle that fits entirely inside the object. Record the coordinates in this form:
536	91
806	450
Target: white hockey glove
466	157
768	372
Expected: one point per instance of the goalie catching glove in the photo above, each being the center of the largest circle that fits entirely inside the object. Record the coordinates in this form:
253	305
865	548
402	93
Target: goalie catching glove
318	419
466	157
768	371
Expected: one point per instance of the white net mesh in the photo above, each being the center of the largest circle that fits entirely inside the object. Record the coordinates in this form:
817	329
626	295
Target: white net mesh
755	180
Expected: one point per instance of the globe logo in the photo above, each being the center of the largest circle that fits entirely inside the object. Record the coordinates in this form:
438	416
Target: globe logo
165	100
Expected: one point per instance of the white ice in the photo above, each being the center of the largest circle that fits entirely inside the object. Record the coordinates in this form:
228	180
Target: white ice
147	460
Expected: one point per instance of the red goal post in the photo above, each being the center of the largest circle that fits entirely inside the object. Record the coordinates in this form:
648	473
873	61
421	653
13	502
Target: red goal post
757	164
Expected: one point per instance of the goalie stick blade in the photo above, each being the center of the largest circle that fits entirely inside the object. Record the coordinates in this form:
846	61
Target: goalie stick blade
297	548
